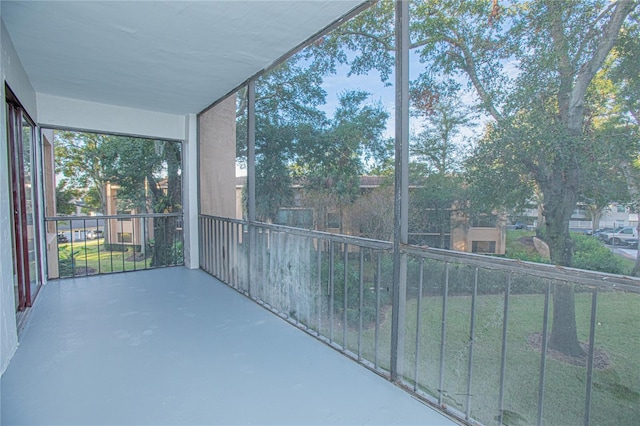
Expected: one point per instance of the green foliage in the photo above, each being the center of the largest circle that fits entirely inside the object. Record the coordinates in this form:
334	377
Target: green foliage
353	289
592	255
121	247
589	253
64	196
331	164
67	260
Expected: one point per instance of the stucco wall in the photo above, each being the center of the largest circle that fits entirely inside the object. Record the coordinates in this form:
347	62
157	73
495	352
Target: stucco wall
13	73
217	143
190	192
57	111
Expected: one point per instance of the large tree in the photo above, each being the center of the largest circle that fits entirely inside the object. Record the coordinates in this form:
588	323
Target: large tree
148	173
287	114
529	66
80	158
331	163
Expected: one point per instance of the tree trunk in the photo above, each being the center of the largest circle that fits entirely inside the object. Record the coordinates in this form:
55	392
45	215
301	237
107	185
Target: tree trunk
165	250
560	201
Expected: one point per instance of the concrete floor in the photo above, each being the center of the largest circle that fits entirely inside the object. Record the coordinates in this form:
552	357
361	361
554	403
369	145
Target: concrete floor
175	346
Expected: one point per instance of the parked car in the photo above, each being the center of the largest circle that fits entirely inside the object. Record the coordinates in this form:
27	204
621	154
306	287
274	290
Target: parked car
520	225
602	233
92	234
621	236
62	238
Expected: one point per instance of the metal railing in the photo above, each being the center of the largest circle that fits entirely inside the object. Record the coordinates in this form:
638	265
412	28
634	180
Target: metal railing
92	245
473	329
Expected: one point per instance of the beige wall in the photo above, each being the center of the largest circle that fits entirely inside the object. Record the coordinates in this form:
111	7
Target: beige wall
462	238
217	142
49	179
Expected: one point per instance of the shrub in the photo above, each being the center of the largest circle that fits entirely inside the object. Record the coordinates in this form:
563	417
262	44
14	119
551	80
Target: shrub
121	247
590	254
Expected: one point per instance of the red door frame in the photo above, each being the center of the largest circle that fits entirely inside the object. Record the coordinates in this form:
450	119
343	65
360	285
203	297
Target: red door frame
19	206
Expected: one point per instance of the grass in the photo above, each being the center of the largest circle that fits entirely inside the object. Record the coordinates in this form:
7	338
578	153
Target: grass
616	389
92	258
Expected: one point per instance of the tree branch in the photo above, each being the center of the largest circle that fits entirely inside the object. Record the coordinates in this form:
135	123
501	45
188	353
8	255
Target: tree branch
470	68
561	50
387	46
589	69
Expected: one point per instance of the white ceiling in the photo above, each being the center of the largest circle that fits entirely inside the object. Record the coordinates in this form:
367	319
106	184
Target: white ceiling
168	56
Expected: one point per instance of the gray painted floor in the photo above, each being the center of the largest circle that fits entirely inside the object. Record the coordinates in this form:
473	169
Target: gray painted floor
174	346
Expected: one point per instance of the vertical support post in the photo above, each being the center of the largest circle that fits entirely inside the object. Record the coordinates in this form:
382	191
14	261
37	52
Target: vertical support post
251	177
472	337
592	345
401	227
503	356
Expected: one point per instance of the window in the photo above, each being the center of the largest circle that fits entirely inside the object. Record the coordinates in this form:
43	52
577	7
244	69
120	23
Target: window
299	218
333	220
124	237
483	247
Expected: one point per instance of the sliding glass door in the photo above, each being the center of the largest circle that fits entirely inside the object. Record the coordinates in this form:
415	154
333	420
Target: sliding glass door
26	230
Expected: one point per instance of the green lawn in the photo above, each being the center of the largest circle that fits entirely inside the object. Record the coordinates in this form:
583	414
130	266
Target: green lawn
91	257
616	389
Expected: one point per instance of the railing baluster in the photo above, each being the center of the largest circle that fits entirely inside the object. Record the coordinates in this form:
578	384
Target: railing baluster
111	242
320	243
543	353
331	290
133	242
98	246
58	248
204	241
232	255
219	249
472	337
111	236
346	296
418	325
216	249
376	345
211	246
225	252
73	257
592	346
86	260
503	356
443	333
361	303
122	243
